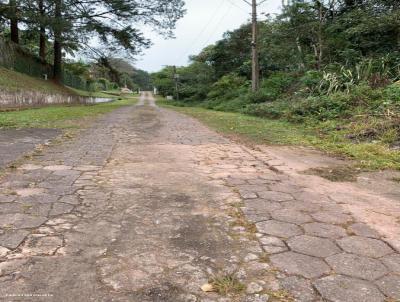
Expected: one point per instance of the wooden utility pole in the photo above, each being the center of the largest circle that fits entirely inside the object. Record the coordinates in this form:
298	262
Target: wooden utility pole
255	73
254	49
176	80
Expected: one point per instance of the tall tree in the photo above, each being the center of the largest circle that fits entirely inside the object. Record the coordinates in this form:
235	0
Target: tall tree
108	26
13	14
42	30
58	31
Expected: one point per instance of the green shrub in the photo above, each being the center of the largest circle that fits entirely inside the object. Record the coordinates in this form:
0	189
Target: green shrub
268	110
228	87
262	96
278	82
235	105
320	108
311	80
392	96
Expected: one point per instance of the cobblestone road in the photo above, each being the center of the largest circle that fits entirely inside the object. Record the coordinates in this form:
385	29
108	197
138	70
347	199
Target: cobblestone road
149	205
15	143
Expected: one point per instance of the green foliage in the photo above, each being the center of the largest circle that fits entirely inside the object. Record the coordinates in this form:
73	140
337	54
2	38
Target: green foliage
164	81
228	87
267	110
311	81
272	87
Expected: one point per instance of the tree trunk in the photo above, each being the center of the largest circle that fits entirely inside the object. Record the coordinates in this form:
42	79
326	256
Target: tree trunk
57	66
14	21
255	83
42	33
300	50
318	47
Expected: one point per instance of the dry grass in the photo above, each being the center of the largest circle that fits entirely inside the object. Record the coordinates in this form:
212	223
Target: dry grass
227	285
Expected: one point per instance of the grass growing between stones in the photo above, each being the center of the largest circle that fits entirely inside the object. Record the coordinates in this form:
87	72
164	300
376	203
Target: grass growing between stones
63	116
227	285
255	130
280	295
241	221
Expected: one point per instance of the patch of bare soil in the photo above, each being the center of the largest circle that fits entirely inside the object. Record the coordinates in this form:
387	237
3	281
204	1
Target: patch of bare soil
336	174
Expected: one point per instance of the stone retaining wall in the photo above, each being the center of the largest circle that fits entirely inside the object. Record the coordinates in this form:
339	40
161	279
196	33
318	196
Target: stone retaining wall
34	99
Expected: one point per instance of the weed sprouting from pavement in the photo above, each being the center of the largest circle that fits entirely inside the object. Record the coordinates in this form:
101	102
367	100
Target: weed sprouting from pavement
227	285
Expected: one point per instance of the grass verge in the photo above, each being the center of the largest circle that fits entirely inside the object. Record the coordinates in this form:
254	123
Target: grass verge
62	116
369	156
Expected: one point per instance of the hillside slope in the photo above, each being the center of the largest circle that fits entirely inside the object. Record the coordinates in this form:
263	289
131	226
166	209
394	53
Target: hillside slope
12	81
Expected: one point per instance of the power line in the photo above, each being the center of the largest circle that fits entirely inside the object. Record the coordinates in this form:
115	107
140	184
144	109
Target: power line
237	6
217	26
197	37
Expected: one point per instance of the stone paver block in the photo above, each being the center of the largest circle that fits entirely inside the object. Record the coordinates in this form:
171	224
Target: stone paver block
86	168
313	246
41	245
60	208
332	217
253	298
42	198
275	196
294	263
392	262
235	181
292	216
254	288
278	228
21	221
273	249
29	191
364	246
308	207
71	199
6	198
12	266
299	288
254	218
324	230
29	167
357	266
340	288
390	286
3	251
12	239
270	240
364	230
261	205
273	245
57	168
38	209
247	194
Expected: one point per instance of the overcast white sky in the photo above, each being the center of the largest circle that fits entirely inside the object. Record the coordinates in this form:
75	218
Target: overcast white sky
204	23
